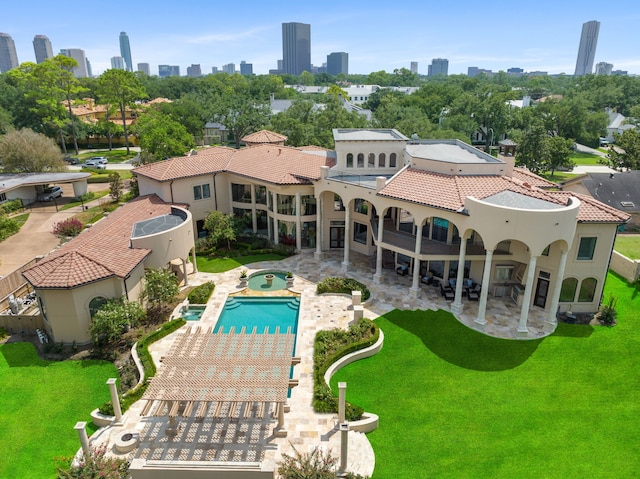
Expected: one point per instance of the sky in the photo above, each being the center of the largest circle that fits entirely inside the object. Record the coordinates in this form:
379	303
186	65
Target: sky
496	35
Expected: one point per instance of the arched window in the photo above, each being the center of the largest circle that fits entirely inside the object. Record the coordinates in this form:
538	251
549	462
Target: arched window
382	159
392	160
349	160
587	290
371	163
568	291
360	160
95	304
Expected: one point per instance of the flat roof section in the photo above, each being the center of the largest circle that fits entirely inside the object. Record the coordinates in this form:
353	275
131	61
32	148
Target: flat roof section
156	225
359	134
449	151
10	181
511	199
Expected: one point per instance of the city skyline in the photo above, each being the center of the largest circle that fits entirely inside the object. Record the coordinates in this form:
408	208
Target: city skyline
376	36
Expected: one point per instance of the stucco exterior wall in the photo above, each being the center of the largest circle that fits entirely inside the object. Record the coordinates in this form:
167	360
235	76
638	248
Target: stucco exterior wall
627	268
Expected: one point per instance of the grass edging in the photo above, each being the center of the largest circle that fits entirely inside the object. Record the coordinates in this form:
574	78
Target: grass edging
148	366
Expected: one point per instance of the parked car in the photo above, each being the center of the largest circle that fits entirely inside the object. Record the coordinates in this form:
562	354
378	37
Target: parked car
71	160
100	159
91	163
50	193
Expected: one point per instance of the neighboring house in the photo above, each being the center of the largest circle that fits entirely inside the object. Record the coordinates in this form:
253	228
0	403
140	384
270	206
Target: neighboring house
616	125
618	190
443	208
279	106
107	261
215	132
28	186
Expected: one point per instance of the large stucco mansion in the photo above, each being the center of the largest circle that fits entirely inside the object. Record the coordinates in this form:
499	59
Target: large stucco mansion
440	210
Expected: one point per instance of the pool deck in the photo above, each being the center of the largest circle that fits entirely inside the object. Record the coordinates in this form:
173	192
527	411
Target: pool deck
232	440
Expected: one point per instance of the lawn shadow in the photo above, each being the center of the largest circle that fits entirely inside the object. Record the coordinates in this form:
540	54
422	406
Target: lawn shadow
567	330
20	355
457	344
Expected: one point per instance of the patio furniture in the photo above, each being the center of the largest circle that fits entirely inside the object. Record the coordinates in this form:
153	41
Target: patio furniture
402	270
447	292
473	293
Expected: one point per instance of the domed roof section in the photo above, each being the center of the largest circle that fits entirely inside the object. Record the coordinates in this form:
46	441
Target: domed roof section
264	137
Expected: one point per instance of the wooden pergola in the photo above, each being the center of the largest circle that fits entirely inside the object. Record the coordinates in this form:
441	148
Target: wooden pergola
205	370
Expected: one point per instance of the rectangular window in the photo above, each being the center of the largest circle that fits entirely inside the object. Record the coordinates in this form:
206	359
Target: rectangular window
261	195
361	206
241	193
587	248
206	191
504	273
3	197
197	192
359	233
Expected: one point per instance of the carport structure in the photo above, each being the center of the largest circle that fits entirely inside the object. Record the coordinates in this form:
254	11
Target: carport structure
210	374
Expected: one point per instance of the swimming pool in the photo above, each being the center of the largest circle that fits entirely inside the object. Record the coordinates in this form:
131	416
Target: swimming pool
192	313
258	282
260	313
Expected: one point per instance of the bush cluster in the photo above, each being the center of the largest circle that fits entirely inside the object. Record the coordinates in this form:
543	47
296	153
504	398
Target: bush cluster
11	206
331	345
201	294
8	227
66	228
344	286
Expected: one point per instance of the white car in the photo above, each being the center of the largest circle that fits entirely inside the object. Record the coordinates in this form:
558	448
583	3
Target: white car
99	159
91	163
50	193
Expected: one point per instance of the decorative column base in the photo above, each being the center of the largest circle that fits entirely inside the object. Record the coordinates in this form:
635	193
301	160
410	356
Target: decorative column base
377	278
550	325
413	292
457	308
523	332
317	255
345	266
481	322
280	432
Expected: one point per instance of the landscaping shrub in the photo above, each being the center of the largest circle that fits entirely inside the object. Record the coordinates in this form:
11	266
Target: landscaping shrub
66	228
343	285
8	227
98	465
11	206
331	345
607	314
201	294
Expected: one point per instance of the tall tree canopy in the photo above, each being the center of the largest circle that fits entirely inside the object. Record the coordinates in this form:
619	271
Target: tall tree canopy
161	137
25	151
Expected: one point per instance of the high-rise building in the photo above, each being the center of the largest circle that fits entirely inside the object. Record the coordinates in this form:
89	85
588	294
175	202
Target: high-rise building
515	71
587	50
42	48
296	48
168	71
144	68
8	55
246	68
194	70
215	70
439	66
338	62
604	68
229	68
125	50
82	70
89	72
118	63
414	67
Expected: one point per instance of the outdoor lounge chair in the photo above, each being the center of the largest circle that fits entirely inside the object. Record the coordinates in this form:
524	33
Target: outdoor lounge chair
474	293
447	292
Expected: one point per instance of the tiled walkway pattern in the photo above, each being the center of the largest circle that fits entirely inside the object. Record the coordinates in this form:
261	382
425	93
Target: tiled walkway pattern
235	438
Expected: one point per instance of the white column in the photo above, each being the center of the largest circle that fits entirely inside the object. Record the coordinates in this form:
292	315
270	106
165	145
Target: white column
415	286
377	277
344	446
193	259
254	218
185	272
84	439
552	319
342	392
526	299
298	222
347	237
115	399
486	276
456	307
276	240
318	252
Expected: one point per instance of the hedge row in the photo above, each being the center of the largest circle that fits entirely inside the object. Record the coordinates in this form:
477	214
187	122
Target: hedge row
329	347
148	365
201	294
344	286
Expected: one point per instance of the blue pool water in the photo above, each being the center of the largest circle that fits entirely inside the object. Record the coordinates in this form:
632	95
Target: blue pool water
257	282
192	313
261	313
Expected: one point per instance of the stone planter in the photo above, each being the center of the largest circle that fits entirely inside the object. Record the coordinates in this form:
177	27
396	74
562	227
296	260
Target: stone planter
101	420
127	440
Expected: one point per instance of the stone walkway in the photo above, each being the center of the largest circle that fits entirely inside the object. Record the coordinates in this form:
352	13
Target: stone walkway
251	440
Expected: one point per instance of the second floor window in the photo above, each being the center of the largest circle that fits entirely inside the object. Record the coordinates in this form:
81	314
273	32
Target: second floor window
201	191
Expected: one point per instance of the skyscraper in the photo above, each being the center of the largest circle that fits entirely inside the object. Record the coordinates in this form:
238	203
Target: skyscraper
246	68
168	71
604	68
587	50
194	70
42	48
8	55
439	66
125	50
338	62
414	67
296	48
117	63
81	71
144	68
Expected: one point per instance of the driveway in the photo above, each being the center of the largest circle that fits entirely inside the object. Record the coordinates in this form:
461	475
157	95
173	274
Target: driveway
35	237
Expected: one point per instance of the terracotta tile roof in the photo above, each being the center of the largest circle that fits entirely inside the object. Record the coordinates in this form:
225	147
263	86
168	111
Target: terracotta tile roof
527	176
99	252
271	163
264	136
449	192
206	161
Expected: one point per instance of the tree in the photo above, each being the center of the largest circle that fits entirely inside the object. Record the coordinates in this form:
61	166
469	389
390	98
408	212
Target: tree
121	89
220	227
558	153
113	318
115	186
25	151
625	154
162	137
160	287
533	149
108	129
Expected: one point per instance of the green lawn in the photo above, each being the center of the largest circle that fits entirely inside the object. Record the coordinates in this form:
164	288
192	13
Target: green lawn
113	156
96	195
41	402
454	403
220	265
628	245
585	158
